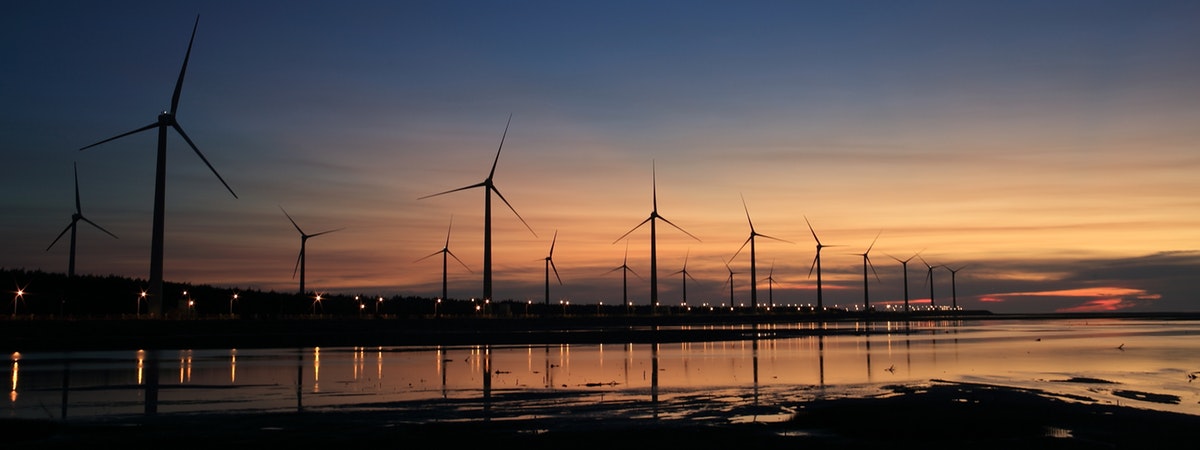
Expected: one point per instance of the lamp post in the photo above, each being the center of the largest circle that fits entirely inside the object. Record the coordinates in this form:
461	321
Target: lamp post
231	300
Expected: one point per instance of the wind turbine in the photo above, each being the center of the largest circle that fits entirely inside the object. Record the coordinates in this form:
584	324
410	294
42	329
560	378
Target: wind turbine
550	265
446	251
626	270
867	263
303	242
929	279
771	286
904	264
953	288
488	188
753	269
166	119
729	281
75	218
817	264
654	218
686	275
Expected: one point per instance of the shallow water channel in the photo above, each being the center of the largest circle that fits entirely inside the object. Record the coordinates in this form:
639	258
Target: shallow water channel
1145	363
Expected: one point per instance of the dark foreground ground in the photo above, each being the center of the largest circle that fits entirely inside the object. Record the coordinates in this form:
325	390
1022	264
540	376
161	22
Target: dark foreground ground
937	415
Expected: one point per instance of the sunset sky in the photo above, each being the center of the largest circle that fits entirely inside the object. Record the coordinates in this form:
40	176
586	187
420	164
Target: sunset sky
1050	149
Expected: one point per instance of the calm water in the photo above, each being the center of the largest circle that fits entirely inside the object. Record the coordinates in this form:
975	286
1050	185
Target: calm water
1147	364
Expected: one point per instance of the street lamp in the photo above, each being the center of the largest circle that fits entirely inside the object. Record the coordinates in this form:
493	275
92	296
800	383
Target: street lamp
231	300
316	301
137	308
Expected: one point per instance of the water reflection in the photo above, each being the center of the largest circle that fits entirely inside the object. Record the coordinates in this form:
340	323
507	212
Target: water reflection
650	376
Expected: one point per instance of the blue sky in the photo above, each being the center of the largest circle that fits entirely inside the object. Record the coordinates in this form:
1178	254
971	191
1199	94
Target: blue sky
1049	147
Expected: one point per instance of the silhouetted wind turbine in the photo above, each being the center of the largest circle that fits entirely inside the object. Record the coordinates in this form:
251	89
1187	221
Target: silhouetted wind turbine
166	119
654	217
953	288
75	218
867	263
488	188
550	265
817	264
303	243
771	286
446	251
626	270
929	279
904	264
686	275
729	281
753	268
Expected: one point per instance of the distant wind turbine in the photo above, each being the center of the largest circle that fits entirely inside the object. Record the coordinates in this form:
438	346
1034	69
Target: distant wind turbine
686	275
303	243
488	188
953	288
904	264
445	251
625	271
166	119
75	218
817	264
867	263
729	281
550	265
929	279
654	218
753	269
771	286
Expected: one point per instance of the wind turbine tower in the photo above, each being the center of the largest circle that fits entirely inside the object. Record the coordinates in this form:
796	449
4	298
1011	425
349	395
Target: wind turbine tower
446	251
753	258
166	119
549	266
867	263
817	265
488	188
75	218
300	259
904	264
653	219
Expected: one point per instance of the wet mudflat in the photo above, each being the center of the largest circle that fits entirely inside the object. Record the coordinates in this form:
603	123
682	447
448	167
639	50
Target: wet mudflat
937	414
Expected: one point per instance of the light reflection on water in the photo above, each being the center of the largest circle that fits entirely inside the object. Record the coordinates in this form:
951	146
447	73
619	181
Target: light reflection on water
1104	360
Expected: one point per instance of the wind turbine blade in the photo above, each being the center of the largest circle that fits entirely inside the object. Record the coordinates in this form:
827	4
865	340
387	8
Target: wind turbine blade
325	232
298	258
139	130
747	208
872	266
514	210
653	187
689	275
479	184
813	266
774	238
555	271
452	255
668	222
873	242
739	250
85	219
497	160
78	205
429	256
552	241
183	70
289	216
60	235
448	231
202	158
632	230
634	272
811	230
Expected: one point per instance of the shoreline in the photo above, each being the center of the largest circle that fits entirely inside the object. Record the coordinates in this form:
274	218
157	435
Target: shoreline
83	334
